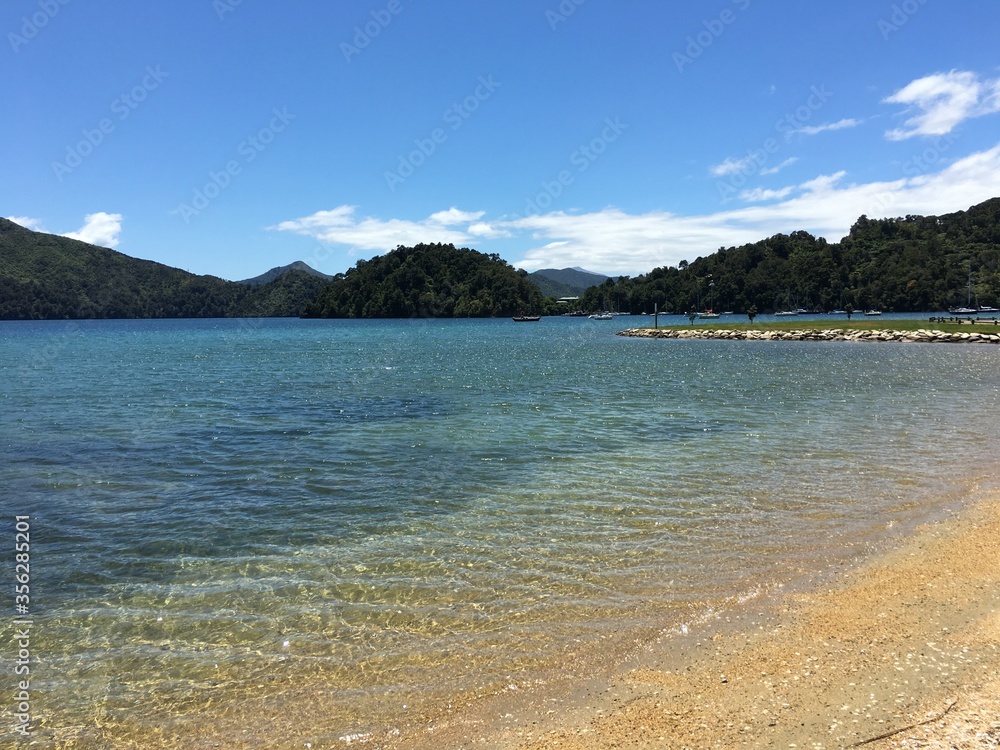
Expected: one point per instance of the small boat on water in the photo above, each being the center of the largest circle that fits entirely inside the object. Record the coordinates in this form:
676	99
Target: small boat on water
527	318
873	313
708	314
602	316
786	312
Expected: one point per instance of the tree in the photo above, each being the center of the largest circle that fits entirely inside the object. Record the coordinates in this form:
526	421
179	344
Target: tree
752	312
429	280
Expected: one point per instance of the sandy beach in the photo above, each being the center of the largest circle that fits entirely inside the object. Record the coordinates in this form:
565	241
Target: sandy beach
901	650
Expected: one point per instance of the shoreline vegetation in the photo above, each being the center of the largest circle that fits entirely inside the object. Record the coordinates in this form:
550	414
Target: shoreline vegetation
901	650
895	331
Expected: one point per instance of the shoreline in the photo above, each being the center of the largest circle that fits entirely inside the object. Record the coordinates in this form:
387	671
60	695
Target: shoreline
906	636
919	336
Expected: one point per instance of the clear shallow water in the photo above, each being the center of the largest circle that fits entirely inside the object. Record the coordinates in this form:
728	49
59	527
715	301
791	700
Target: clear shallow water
302	526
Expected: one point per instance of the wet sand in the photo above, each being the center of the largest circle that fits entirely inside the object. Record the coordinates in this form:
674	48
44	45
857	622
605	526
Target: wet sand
909	640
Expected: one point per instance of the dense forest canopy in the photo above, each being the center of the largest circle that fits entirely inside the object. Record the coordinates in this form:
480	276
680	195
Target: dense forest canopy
48	277
915	263
432	280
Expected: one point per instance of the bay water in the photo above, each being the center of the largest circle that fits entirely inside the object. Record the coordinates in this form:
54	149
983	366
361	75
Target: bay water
267	533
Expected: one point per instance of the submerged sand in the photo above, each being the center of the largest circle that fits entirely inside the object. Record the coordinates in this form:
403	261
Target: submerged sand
907	640
905	646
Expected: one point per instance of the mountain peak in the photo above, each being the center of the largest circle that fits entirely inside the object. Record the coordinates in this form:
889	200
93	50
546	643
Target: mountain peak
278	271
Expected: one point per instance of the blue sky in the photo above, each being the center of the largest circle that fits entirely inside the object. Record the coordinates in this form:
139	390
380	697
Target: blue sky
230	136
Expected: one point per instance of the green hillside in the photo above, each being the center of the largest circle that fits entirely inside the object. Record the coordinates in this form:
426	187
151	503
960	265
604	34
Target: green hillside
915	263
429	281
280	271
564	282
46	277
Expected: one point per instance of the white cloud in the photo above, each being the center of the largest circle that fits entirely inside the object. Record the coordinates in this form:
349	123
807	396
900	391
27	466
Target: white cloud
760	194
487	230
778	167
732	166
27	222
823	183
944	101
817	184
99	229
453	216
339	226
847	122
615	242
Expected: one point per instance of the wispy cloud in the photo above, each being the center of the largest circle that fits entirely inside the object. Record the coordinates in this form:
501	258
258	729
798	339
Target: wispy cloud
747	165
99	229
27	222
778	167
847	122
761	194
944	101
614	241
732	166
487	230
617	242
453	216
339	226
817	184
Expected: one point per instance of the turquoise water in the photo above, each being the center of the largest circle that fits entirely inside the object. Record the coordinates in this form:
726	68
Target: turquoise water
322	529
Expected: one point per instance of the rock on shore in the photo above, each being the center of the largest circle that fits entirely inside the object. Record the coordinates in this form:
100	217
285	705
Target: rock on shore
922	336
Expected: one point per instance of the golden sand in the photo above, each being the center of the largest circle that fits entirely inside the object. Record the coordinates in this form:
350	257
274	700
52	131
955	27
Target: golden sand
905	647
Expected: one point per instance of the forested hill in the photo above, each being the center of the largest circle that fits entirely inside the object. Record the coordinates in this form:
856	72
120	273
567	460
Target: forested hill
916	263
432	280
565	282
48	277
275	273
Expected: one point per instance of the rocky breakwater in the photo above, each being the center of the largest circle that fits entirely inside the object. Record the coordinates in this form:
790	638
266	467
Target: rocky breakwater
922	336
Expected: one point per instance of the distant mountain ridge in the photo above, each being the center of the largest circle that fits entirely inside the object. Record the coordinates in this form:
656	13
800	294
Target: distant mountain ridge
565	282
279	271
